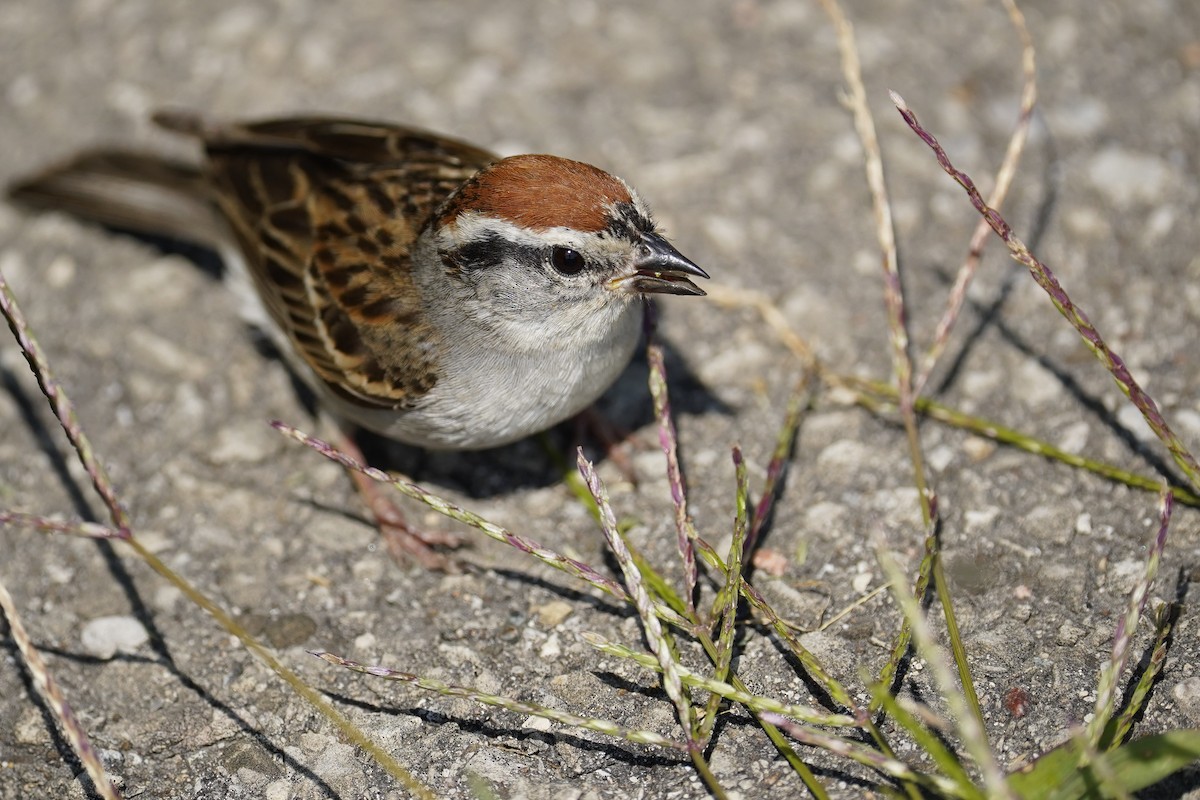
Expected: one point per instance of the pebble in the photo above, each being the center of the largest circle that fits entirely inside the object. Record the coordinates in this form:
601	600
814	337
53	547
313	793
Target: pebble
248	442
536	724
899	506
1074	437
976	520
826	518
1188	422
1126	176
104	637
862	582
1187	694
1125	574
31	729
1039	387
978	448
61	272
552	649
770	561
1069	634
338	767
844	457
554	613
1079	118
1132	420
940	457
278	790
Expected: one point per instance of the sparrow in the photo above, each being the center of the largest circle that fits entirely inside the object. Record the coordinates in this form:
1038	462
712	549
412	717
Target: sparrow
426	289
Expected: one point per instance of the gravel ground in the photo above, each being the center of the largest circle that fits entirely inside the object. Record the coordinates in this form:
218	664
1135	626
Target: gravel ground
728	117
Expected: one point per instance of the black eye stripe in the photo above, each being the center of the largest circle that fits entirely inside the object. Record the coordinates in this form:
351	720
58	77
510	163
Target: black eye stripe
480	253
491	250
567	261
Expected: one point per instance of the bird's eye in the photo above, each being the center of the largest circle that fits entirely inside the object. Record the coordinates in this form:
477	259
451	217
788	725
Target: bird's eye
567	261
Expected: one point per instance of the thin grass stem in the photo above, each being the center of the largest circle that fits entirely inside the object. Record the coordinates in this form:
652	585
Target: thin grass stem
52	695
604	726
1110	673
1004	177
968	725
1062	301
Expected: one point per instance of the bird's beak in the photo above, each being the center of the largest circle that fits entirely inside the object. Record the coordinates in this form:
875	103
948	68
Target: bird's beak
660	269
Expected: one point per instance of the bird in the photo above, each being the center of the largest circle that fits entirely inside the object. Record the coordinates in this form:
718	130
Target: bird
426	289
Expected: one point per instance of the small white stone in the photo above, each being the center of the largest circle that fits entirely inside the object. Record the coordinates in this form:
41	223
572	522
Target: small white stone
1188	421
553	613
31	729
189	402
862	582
251	779
1086	222
236	24
104	637
1125	574
1080	118
827	519
23	90
980	384
1075	437
59	574
164	353
980	518
278	790
1132	420
1187	694
847	454
900	506
1160	222
725	233
165	598
245	442
536	724
552	648
940	457
977	448
1069	634
338	766
1038	386
1126	176
313	743
865	262
735	362
130	99
60	272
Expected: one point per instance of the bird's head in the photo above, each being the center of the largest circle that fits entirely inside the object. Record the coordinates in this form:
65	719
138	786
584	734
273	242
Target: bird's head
541	236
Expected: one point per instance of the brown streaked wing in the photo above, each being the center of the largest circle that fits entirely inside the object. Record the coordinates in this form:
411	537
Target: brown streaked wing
326	211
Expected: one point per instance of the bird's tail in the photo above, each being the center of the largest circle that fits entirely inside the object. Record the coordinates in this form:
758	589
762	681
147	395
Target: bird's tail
140	193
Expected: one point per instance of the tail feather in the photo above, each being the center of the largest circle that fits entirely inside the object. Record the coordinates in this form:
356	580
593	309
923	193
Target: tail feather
130	191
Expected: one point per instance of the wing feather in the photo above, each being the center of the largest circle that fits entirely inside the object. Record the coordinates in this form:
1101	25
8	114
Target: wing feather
326	212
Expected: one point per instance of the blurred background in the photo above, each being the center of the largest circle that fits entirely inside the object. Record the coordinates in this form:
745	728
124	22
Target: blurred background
728	117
